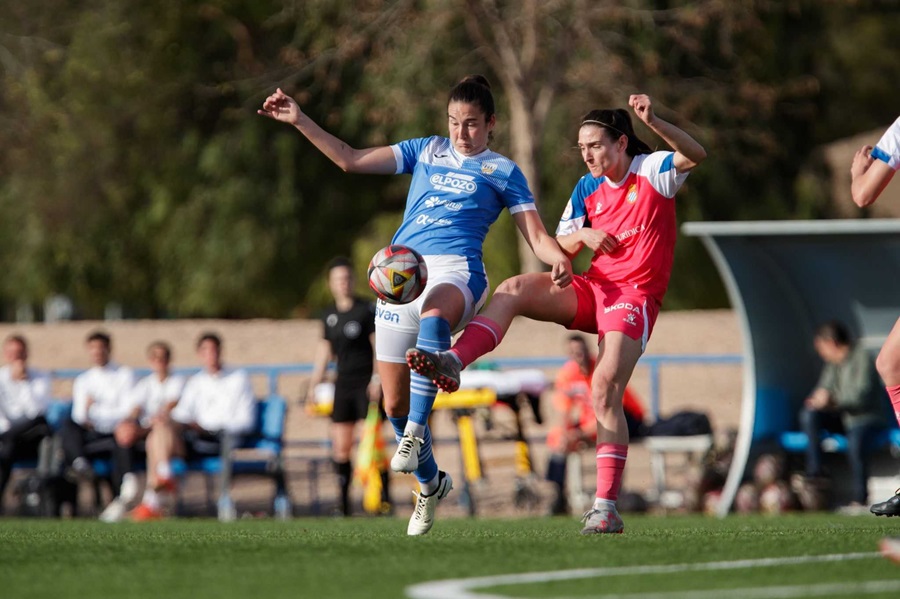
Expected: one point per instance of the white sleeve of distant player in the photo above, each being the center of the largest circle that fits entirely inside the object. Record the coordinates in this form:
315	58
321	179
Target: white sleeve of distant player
659	169
888	147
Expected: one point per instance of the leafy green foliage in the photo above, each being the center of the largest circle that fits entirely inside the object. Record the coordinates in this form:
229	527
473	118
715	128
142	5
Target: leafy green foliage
133	168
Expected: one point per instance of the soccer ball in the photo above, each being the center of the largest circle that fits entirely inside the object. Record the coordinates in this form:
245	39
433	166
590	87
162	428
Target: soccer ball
397	274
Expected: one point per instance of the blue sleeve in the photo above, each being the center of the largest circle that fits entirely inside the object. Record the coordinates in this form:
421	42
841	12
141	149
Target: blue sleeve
517	196
407	153
574	216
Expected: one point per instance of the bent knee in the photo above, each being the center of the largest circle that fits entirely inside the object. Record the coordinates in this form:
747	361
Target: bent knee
888	366
514	286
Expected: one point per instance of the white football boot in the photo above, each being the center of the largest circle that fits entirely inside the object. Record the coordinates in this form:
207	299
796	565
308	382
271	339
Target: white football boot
406	458
423	515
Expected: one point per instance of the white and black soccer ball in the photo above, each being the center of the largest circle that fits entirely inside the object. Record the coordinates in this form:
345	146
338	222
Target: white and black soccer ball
397	274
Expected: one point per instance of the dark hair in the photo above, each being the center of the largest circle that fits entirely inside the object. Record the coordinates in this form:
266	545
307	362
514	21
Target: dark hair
573	338
210	337
15	338
474	89
339	262
617	123
162	345
100	336
835	331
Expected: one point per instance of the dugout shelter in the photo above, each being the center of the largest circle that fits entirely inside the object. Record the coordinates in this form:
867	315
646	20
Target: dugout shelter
784	278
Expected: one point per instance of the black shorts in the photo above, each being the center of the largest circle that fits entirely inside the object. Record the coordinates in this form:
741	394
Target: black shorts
351	402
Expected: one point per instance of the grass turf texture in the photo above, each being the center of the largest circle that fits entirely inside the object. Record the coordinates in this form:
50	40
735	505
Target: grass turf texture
373	558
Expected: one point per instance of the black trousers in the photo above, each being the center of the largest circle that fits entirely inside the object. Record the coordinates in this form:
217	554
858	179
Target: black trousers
21	442
78	441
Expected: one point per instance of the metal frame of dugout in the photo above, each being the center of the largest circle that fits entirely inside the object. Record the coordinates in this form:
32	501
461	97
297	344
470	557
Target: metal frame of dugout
784	278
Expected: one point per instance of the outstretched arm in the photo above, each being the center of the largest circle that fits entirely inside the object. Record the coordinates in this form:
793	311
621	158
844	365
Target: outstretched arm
544	246
688	153
378	161
868	177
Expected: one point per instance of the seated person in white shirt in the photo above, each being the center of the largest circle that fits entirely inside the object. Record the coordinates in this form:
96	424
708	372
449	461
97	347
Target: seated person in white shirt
99	406
24	394
152	401
216	402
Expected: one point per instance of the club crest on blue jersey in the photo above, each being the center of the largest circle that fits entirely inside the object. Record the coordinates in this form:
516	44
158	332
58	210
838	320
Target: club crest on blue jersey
488	168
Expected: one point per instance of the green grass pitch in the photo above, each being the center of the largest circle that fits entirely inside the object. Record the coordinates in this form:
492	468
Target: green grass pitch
683	556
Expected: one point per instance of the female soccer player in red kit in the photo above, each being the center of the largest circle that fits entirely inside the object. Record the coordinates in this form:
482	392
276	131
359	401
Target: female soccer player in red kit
623	211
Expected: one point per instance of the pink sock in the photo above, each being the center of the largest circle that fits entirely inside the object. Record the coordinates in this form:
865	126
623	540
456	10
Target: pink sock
610	465
479	337
894	394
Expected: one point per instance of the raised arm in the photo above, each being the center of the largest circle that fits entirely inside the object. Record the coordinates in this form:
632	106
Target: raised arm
688	153
377	161
544	247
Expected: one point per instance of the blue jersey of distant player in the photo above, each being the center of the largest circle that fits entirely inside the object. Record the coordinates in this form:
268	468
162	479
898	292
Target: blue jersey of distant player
454	199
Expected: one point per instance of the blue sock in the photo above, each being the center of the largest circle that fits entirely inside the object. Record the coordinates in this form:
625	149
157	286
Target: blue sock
399	424
428	467
434	335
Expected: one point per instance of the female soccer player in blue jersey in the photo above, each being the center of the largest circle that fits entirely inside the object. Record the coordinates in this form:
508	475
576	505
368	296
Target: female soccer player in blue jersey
459	187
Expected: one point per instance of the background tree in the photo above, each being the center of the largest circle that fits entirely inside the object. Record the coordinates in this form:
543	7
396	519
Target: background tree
133	168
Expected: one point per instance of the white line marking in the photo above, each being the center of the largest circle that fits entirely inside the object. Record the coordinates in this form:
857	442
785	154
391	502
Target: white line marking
460	588
779	592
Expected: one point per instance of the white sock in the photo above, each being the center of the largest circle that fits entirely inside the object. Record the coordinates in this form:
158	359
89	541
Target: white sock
431	486
129	489
151	499
604	504
164	470
417	430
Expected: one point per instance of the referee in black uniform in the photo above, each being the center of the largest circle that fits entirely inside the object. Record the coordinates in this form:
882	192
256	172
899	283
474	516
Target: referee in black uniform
348	340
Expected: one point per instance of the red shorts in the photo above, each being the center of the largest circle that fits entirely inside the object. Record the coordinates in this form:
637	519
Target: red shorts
605	308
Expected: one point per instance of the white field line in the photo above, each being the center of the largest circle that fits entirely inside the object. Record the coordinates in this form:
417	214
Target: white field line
855	589
462	588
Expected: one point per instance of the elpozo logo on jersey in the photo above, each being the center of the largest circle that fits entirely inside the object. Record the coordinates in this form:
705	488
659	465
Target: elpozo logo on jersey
454	182
631	197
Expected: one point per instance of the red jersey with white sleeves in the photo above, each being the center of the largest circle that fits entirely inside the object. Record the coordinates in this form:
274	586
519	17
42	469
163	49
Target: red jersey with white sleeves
640	212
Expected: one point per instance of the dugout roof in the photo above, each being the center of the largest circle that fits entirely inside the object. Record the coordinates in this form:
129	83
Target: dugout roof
784	278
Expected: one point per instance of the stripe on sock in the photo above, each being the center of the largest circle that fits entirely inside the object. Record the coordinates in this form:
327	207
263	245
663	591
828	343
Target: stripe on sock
611	459
428	467
480	337
434	335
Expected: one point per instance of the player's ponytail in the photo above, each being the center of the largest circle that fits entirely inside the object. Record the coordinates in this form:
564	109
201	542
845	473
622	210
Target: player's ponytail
617	123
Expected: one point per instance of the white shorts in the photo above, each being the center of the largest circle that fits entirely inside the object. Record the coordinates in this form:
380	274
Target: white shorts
397	326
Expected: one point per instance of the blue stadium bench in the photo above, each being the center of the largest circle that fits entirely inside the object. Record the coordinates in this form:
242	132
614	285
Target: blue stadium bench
797	441
259	453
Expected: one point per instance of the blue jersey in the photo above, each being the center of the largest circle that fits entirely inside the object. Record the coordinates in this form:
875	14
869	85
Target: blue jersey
454	199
